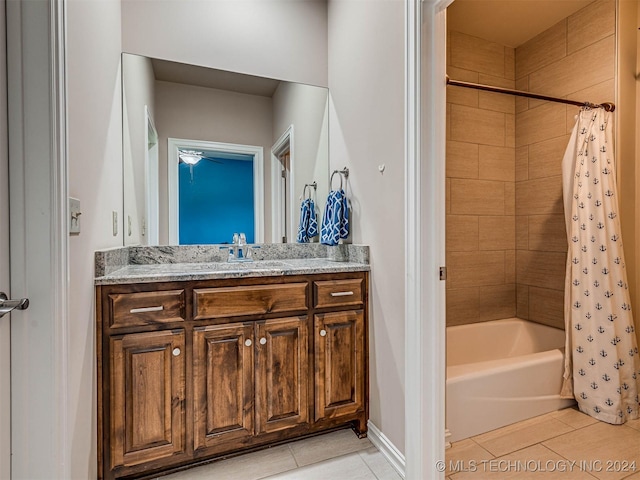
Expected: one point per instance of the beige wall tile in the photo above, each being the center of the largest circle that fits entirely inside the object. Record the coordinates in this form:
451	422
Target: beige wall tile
497	233
522	163
496	81
598	93
462	96
590	24
522	232
496	302
522	103
477	197
543	49
546	306
447	195
470	269
541	196
461	74
497	102
560	78
462	233
475	54
522	301
510	266
548	233
540	269
510	63
509	198
510	130
462	160
496	163
473	125
545	158
541	123
448	121
462	305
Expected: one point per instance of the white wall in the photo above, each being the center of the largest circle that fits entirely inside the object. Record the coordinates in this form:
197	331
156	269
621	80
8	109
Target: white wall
281	39
95	177
200	113
138	83
306	108
366	81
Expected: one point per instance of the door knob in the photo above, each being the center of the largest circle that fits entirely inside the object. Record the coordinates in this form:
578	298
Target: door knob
7	305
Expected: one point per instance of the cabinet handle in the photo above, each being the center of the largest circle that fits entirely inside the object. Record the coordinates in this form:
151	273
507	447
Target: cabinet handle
323	333
263	341
176	352
147	309
248	342
341	294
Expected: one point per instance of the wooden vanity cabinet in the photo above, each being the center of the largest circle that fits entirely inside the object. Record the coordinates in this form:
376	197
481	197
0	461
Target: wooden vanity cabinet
191	371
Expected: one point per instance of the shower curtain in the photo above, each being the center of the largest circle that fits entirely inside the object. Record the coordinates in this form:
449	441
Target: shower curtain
602	366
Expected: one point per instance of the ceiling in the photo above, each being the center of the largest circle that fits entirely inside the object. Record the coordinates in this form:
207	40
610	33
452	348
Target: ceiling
212	78
509	22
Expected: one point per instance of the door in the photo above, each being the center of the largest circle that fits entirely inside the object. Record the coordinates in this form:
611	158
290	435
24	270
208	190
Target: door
282	374
339	360
222	384
148	395
5	327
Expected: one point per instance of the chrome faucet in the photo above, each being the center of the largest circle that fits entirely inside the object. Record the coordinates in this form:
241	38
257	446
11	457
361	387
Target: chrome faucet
240	251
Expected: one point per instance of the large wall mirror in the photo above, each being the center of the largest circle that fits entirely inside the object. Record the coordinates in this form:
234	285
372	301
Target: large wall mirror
208	153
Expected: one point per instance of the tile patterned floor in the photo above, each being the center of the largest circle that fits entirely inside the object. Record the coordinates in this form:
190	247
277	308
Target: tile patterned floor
566	445
560	445
333	456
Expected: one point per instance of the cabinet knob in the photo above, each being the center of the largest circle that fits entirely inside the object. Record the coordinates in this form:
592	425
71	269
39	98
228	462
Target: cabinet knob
323	333
263	341
248	342
176	352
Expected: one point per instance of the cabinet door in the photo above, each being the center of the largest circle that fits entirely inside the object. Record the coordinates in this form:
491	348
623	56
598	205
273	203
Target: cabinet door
147	393
282	374
222	384
339	363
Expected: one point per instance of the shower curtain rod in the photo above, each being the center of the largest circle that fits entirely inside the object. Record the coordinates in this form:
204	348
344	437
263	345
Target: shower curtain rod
608	106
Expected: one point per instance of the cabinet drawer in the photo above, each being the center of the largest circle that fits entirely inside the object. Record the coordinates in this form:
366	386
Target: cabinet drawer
249	300
337	293
146	308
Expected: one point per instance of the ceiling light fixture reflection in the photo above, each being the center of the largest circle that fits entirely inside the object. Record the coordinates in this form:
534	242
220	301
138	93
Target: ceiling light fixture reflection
190	157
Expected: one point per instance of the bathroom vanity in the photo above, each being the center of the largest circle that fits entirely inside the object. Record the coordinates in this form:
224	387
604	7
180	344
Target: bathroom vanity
202	360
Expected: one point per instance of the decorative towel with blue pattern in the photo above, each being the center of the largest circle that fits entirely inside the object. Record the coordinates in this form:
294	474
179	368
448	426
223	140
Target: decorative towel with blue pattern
308	227
335	222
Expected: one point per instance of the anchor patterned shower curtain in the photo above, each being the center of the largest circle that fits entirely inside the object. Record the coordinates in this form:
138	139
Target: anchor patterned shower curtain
602	366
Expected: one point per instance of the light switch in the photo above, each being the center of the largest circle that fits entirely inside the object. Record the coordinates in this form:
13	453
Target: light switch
114	218
74	216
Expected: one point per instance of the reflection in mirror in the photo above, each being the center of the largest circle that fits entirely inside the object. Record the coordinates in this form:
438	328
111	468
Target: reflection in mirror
260	141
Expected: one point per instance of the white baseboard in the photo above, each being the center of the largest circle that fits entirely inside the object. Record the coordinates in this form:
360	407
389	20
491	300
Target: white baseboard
388	449
447	434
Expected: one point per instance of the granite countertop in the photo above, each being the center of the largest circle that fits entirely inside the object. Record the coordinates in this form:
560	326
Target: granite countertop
159	264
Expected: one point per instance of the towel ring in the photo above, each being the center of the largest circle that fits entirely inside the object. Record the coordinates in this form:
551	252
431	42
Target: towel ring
331	180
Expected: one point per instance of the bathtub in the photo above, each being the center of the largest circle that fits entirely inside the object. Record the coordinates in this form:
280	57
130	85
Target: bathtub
501	372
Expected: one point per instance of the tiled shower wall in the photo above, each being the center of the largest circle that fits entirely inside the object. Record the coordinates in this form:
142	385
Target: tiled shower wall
575	59
480	183
506	243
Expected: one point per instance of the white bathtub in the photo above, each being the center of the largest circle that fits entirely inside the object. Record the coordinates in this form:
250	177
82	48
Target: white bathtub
501	372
